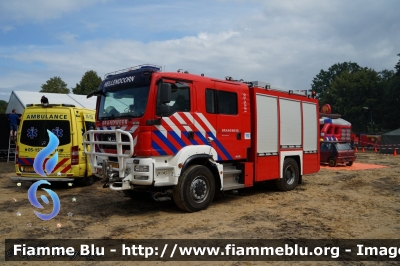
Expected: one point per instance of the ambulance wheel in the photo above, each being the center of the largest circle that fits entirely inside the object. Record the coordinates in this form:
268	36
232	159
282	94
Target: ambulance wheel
195	189
290	176
332	162
88	180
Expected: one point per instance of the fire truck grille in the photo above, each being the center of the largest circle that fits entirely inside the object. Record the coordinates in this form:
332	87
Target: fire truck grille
111	137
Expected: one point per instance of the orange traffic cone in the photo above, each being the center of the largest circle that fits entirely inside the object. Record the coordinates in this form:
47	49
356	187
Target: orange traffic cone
363	149
356	149
395	153
375	150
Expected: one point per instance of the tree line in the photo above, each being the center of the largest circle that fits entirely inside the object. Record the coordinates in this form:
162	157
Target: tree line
368	99
90	82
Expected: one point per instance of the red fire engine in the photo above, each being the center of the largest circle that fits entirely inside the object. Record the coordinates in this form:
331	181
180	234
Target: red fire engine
186	135
369	141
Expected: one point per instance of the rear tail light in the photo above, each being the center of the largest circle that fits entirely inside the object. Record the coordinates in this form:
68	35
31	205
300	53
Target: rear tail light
16	154
74	155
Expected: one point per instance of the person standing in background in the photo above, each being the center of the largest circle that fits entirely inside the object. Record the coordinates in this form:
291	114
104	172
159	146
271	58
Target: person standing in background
44	100
13	118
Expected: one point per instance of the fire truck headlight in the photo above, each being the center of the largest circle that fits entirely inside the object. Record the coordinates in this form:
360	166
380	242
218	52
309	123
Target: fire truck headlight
141	168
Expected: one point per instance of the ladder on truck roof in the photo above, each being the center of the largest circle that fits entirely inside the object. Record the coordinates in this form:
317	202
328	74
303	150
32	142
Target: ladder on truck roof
267	86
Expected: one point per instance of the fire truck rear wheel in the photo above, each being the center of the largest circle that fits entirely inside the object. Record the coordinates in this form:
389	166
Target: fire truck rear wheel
290	176
195	189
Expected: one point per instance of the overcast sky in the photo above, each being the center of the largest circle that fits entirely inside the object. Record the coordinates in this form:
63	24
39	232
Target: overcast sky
285	43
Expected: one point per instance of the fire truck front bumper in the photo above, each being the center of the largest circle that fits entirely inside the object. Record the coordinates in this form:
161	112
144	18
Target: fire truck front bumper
138	172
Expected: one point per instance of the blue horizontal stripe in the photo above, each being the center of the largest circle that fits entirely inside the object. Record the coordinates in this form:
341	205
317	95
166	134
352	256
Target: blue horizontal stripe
21	161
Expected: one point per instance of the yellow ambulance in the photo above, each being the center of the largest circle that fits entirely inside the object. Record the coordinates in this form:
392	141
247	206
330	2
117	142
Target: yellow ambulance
68	123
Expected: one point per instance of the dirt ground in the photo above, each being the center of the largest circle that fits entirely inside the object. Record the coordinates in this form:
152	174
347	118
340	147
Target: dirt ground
333	204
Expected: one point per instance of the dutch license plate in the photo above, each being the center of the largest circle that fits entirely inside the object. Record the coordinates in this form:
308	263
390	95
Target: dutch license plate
29	169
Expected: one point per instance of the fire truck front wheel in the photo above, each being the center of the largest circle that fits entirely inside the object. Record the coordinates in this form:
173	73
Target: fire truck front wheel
195	189
290	176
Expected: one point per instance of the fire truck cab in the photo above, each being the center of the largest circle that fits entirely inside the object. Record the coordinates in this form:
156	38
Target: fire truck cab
189	135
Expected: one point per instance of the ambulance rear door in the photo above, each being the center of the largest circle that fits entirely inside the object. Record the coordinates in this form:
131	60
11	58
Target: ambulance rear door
34	136
89	123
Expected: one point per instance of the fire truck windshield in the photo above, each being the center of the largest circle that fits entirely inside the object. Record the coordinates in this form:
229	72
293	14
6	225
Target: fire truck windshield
123	102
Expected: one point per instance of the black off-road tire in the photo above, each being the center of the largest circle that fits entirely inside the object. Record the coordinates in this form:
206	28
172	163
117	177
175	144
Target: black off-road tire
349	163
290	176
87	180
332	162
195	189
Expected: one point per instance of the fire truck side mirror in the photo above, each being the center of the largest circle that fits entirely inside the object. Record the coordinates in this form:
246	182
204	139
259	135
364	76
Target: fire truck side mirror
165	110
165	93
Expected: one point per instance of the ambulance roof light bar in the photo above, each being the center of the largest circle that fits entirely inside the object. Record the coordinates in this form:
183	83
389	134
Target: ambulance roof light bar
49	105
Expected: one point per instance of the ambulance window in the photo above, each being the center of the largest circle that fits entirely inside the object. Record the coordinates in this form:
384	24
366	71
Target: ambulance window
210	102
227	103
34	132
89	125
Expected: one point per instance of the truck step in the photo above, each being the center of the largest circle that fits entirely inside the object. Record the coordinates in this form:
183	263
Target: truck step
232	186
232	172
231	177
229	166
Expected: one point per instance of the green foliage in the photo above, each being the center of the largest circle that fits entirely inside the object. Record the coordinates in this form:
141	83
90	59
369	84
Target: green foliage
322	82
89	83
350	92
55	85
3	106
369	100
397	67
391	106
